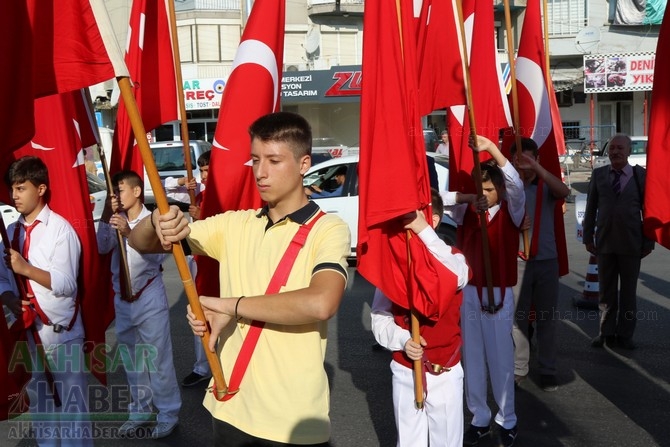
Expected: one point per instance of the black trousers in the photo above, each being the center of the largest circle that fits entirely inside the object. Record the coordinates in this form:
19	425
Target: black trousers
225	435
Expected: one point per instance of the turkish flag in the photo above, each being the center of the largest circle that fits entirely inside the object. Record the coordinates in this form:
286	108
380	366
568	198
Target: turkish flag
62	129
50	47
539	118
489	101
657	189
440	66
253	90
392	150
150	62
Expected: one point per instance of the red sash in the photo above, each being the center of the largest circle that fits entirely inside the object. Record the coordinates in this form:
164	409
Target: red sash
279	279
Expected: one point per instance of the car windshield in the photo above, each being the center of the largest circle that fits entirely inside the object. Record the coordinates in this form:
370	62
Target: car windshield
170	158
639	147
94	183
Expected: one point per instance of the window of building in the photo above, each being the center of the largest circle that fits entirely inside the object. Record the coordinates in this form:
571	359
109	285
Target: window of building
571	130
184	33
567	17
208	43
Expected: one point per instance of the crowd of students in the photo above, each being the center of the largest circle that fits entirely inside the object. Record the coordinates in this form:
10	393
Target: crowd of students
283	273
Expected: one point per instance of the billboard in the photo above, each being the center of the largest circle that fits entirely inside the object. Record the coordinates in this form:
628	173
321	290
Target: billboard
618	72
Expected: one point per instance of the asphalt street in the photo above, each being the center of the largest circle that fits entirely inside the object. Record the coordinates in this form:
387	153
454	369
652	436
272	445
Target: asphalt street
605	397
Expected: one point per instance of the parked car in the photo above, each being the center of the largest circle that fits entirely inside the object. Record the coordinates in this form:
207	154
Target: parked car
638	153
326	148
97	190
346	205
169	157
9	214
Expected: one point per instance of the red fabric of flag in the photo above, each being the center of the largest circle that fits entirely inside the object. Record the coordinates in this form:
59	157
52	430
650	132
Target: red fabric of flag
68	50
59	126
488	99
252	90
539	118
657	187
151	65
393	164
51	47
440	66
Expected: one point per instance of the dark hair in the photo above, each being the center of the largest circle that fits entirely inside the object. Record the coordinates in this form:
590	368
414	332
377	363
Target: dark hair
527	144
436	202
285	127
342	170
203	159
491	172
27	169
129	177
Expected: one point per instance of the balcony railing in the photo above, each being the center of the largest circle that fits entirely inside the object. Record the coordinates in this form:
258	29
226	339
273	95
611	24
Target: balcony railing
207	5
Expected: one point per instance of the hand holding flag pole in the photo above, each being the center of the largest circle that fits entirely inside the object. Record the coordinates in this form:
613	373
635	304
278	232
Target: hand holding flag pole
124	272
180	97
43	362
177	250
477	169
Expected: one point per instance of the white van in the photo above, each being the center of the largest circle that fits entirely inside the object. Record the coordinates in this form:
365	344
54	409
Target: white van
169	158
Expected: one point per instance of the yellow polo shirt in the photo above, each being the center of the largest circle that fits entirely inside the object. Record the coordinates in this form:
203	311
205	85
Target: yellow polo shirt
284	395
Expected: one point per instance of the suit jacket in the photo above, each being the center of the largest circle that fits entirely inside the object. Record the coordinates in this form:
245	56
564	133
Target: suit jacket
616	221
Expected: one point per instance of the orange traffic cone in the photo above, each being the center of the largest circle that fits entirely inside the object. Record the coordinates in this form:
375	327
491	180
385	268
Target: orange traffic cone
590	296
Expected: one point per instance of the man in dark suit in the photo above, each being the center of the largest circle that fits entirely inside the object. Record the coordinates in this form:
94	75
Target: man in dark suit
613	232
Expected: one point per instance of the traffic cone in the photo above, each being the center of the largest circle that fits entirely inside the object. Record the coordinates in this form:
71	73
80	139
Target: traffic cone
590	296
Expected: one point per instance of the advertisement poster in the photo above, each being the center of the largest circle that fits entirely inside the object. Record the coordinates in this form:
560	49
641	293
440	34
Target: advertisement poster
618	72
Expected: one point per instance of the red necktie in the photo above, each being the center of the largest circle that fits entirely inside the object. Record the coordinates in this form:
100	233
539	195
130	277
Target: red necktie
26	247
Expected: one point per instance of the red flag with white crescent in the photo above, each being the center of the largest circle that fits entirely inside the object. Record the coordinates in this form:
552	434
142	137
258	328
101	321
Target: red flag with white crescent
151	65
539	118
252	90
60	123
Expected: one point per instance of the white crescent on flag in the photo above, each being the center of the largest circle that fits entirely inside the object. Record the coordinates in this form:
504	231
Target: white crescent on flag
39	147
253	51
530	75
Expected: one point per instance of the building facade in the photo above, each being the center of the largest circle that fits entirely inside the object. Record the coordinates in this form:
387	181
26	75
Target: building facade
323	52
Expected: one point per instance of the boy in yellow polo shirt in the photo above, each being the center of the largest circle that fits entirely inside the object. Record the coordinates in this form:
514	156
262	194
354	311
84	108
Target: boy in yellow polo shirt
284	395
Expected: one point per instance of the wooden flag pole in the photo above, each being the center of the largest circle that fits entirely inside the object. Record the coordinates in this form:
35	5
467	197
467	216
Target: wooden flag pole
477	169
515	104
177	250
416	336
180	97
123	264
415	328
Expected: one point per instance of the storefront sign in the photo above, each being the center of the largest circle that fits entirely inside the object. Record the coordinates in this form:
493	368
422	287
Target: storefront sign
618	72
203	93
339	84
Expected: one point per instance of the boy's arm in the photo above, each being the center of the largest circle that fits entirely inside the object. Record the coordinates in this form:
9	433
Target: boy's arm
483	144
444	253
516	197
456	204
157	232
557	188
385	330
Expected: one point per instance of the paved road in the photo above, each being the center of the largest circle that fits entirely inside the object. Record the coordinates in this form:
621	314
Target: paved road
606	398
